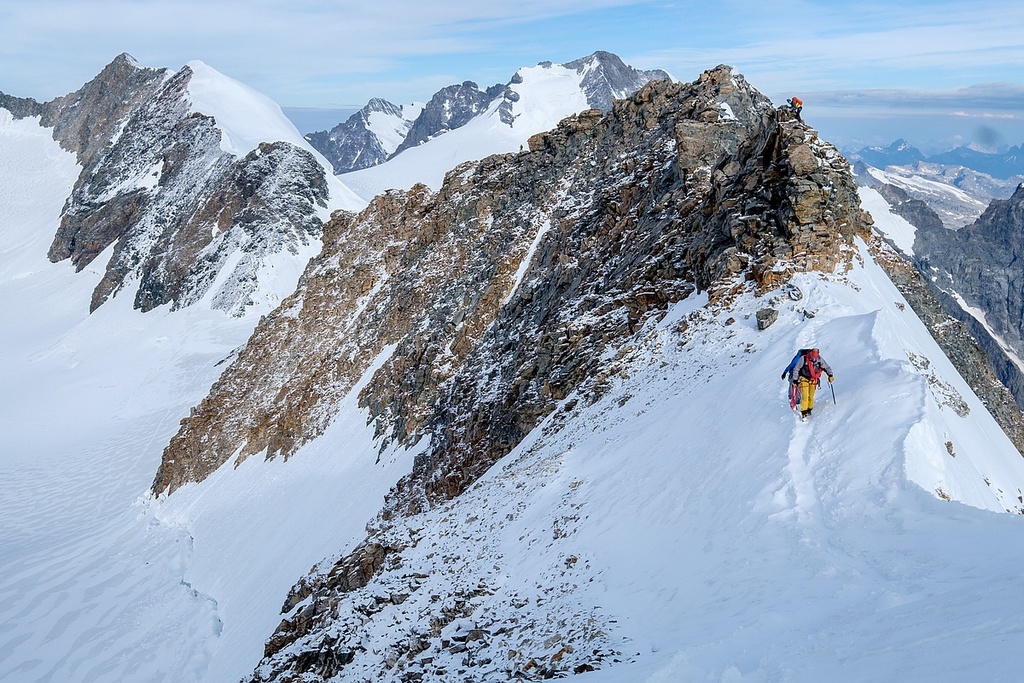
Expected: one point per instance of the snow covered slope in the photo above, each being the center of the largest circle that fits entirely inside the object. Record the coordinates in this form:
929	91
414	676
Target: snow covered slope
689	527
686	522
955	206
97	582
546	95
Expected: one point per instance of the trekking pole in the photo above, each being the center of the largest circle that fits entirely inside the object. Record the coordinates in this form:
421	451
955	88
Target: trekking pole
833	393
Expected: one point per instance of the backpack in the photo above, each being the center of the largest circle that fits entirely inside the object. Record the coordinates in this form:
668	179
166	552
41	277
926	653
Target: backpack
792	363
811	369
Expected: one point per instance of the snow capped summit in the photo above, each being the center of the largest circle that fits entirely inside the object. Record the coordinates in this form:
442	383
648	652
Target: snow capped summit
245	117
463	122
368	137
605	77
194	187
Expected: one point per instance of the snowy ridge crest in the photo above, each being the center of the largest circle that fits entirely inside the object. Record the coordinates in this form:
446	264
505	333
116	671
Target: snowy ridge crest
577	426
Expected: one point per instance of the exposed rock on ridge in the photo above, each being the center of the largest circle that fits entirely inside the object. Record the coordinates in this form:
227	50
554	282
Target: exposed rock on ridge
451	107
607	78
20	107
157	187
85	121
618	234
494	299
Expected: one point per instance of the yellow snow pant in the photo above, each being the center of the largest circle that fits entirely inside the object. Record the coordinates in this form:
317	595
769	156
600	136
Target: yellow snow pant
807	389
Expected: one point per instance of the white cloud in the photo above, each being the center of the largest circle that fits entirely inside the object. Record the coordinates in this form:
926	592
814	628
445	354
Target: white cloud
331	53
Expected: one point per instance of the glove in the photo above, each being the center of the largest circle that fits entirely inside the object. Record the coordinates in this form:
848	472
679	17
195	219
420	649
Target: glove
831	378
783	375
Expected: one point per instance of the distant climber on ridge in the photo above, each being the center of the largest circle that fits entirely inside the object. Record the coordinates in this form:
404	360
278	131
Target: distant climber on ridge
796	104
804	373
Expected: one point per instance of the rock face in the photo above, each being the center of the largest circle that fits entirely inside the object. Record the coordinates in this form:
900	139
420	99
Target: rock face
466	315
915	211
980	264
567	231
174	208
607	78
20	107
451	107
364	140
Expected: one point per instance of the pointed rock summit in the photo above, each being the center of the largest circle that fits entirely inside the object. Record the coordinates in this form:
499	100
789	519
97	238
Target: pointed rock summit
368	138
183	215
607	78
494	299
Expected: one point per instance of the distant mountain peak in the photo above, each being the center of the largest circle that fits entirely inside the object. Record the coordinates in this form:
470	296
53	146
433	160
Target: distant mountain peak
607	78
354	145
188	181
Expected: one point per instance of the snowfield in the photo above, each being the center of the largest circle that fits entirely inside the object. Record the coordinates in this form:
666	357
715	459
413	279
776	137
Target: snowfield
687	522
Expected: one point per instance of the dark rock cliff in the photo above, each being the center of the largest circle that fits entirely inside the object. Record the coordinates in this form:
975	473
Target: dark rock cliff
20	107
353	144
451	107
981	264
157	187
607	78
626	213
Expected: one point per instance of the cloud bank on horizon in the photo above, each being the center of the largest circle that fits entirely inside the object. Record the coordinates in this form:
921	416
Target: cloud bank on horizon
950	58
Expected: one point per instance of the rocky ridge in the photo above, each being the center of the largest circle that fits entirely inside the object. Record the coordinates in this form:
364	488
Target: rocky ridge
705	212
451	107
559	255
182	217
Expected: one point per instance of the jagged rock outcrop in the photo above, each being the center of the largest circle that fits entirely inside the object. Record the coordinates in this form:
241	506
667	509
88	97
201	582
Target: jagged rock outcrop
980	265
451	107
466	315
87	120
20	107
174	207
607	78
357	143
720	196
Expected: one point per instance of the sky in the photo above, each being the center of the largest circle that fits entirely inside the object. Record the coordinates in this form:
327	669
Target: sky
933	69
